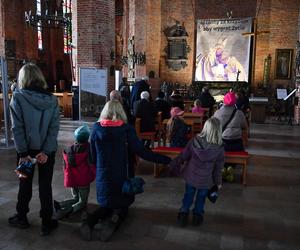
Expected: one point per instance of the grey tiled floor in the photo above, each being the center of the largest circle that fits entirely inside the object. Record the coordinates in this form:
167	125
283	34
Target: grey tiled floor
263	215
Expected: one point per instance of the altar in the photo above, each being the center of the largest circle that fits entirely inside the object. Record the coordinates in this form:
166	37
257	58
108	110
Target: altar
258	107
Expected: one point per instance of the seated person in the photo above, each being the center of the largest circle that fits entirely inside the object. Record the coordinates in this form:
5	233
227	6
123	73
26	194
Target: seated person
242	101
233	122
207	100
177	130
145	110
176	100
162	105
198	108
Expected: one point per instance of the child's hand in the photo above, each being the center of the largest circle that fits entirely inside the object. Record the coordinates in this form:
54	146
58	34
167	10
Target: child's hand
24	159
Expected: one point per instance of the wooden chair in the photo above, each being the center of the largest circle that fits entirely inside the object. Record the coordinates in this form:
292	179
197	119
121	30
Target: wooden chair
144	135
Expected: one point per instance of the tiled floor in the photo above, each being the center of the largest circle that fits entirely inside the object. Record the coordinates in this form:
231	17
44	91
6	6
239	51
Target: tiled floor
263	215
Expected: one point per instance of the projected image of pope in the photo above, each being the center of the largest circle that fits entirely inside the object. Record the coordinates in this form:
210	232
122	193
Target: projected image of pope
215	66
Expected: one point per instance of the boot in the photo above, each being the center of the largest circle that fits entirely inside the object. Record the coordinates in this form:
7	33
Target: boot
63	213
18	221
197	219
182	219
48	226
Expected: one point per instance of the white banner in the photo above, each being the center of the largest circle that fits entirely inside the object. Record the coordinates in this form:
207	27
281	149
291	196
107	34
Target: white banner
93	80
223	50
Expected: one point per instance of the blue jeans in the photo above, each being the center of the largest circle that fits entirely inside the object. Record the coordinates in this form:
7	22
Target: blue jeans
189	198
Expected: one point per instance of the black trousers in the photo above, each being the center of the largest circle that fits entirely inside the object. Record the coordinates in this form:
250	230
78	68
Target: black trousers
45	174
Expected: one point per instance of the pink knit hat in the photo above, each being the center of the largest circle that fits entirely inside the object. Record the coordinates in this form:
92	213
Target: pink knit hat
229	99
176	111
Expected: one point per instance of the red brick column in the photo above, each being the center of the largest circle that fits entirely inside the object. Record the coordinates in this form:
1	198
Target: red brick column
93	28
1	29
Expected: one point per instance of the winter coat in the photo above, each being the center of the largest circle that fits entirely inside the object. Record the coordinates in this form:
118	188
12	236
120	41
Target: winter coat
136	91
78	168
177	132
233	130
145	110
202	163
163	106
35	121
110	146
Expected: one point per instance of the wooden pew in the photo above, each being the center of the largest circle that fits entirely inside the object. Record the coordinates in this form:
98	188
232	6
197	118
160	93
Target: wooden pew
144	135
65	101
240	158
197	120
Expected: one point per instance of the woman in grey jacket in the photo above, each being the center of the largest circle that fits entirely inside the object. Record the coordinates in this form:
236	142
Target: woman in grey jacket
35	126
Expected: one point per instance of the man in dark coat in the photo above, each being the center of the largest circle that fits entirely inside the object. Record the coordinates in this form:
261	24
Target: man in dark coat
137	89
206	99
145	110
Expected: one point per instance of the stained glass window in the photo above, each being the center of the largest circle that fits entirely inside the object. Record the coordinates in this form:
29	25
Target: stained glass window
68	28
39	25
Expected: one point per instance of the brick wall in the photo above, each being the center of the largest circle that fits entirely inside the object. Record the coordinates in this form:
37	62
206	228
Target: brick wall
26	41
94	34
1	29
183	12
281	19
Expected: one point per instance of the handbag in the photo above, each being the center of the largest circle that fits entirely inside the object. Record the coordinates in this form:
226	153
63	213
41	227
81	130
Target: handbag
134	185
213	193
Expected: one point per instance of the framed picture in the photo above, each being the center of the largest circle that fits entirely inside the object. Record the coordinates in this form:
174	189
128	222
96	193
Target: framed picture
283	63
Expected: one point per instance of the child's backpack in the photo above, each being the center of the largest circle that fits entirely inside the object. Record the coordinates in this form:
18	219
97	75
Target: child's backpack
78	172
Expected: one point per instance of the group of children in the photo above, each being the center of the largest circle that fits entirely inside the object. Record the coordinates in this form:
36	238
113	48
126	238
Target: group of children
200	164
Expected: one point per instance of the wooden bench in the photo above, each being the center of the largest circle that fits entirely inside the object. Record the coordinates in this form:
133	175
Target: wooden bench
240	158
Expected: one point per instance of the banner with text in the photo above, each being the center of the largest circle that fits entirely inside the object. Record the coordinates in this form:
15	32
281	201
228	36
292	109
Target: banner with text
223	49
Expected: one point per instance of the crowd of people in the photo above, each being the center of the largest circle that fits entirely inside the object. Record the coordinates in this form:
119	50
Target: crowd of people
35	126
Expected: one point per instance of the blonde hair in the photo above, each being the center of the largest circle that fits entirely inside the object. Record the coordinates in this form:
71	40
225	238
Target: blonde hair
197	102
30	76
113	110
212	131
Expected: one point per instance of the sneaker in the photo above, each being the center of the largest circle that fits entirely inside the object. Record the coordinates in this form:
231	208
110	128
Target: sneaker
48	227
85	229
182	219
18	221
197	219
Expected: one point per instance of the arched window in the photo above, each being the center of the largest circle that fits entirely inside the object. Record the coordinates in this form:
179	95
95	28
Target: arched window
39	25
67	6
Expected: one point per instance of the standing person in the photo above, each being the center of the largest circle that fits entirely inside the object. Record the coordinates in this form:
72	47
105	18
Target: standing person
35	126
79	172
207	101
137	89
200	164
112	143
233	122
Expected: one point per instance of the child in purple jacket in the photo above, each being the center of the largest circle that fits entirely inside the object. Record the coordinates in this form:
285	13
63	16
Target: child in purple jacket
200	164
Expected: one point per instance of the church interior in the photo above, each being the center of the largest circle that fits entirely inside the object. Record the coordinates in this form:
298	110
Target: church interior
85	49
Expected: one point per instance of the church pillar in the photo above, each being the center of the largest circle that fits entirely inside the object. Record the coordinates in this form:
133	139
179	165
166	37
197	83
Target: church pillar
93	35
